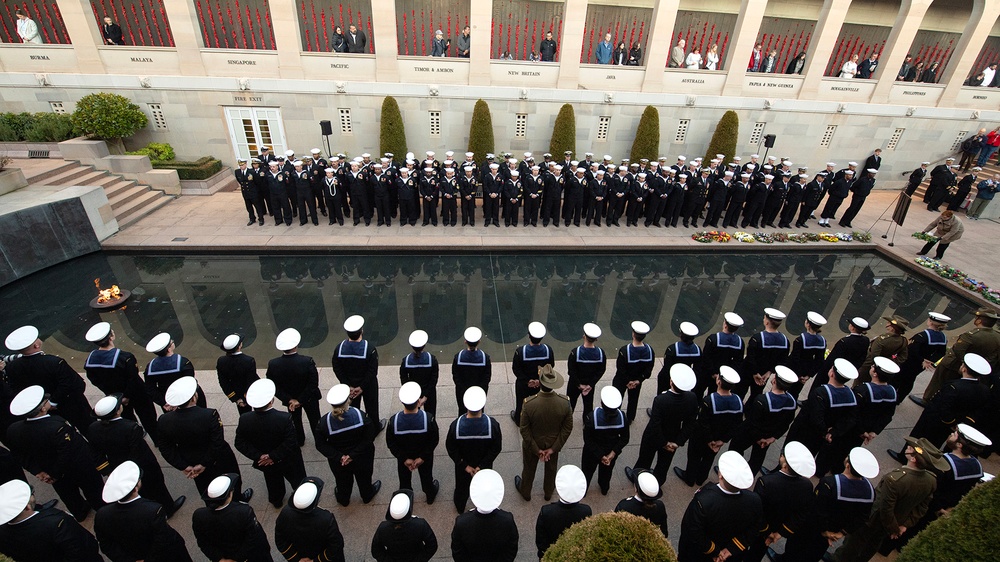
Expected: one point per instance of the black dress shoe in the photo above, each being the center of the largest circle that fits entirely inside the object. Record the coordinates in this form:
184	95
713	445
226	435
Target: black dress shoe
517	484
513	418
251	222
630	473
261	222
716	469
47	505
346	502
376	486
896	456
178	503
435	487
381	425
683	476
278	504
918	400
246	495
649	412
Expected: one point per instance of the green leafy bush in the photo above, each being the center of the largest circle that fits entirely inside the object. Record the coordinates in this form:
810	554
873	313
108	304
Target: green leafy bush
611	537
159	151
724	138
392	135
647	136
50	127
481	141
13	126
563	132
201	169
108	116
965	534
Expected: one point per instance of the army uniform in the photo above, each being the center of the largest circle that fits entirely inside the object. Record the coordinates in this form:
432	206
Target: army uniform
893	346
271	432
981	340
421	368
586	366
308	532
717	520
928	345
46	536
161	372
605	431
471	443
64	385
356	364
528	358
138	530
237	371
952	486
352	435
469	368
414	436
546	423
634	363
115	371
296	378
193	435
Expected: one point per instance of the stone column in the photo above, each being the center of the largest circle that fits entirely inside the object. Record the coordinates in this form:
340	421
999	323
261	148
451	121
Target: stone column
386	43
187	35
84	33
480	20
908	20
287	38
984	16
745	37
571	47
831	20
659	44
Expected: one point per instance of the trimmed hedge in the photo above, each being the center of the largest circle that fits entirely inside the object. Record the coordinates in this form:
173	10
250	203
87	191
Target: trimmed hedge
200	169
108	116
392	135
611	537
563	133
724	138
647	136
36	127
159	151
481	141
968	533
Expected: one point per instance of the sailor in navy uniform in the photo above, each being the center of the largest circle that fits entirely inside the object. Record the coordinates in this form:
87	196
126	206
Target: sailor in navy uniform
237	371
556	517
492	187
115	371
332	195
721	413
646	502
471	367
671	422
808	351
828	418
633	366
44	535
721	348
166	368
765	349
403	536
877	401
355	362
924	350
768	416
474	441
528	358
684	351
605	434
296	379
786	496
421	367
853	347
277	187
227	527
246	178
346	437
586	365
487	531
412	436
306	529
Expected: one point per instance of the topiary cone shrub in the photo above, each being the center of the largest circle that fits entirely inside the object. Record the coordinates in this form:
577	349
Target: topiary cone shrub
392	135
563	132
481	141
647	136
967	534
108	116
611	537
724	138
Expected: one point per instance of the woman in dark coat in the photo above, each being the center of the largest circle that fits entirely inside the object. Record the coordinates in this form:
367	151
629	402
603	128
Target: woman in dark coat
796	65
620	55
930	75
914	73
635	55
337	42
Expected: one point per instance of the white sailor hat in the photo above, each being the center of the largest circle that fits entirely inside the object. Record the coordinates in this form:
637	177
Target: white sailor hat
855	164
490	155
231	342
845	368
354	323
288	339
107	405
738	158
305	495
640	327
449	170
831	164
973	435
399	505
338	394
219	487
803	176
863	462
27	401
591	330
744	175
260	393
418	338
682	158
872	171
315	151
977	169
486	490
689	329
265	148
728	174
768	167
800	459
429	153
14	497
297	163
786	163
642	174
949	159
611	397
366	155
860	323
330	170
588	154
471	169
255	160
289	153
514	173
735	470
409	393
121	482
470	154
771	158
815	318
729	374
473	334
622	168
571	484
474	399
574	163
494	166
682	176
99	332
527	155
755	156
607	157
786	374
925	163
273	163
977	364
720	156
768	177
158	343
647	485
21	338
357	160
938	317
886	365
180	391
512	160
683	377
774	314
536	330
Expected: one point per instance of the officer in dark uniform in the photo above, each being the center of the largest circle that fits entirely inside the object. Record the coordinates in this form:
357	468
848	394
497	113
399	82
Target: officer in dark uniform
828	418
428	188
192	439
512	195
718	193
720	414
684	351
227	528
892	344
853	347
796	188
808	351
307	530
723	519
237	371
297	381
646	502
259	170
812	194
786	496
486	529
471	367
573	205
332	192
278	189
303	194
474	440
586	365
246	178
552	196
671	423
166	368
735	198
355	362
55	452
411	437
63	385
403	536
468	185
860	191
556	517
450	194
421	367
346	437
135	528
768	416
619	186
924	350
765	349
776	194
407	190
756	201
721	348
355	181
266	436
528	358
636	200
982	340
633	366
877	401
115	371
492	195
533	187
317	171
120	441
605	434
49	534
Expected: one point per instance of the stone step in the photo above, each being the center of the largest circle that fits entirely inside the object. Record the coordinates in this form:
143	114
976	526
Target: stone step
135	204
139	212
102	179
117	187
42	177
123	197
69	176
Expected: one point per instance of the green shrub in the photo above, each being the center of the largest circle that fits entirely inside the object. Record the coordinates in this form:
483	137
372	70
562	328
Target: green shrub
481	141
201	169
392	136
7	133
647	136
563	132
13	126
964	534
108	116
724	138
611	537
159	151
50	127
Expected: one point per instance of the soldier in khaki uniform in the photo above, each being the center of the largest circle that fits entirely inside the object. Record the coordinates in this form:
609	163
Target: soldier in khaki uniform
892	344
546	424
982	339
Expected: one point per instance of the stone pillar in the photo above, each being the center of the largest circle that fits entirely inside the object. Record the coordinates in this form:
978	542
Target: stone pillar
187	35
386	44
908	20
84	33
831	20
480	20
287	38
659	44
571	48
745	37
984	16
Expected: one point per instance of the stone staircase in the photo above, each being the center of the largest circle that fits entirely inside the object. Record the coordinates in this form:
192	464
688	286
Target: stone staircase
129	200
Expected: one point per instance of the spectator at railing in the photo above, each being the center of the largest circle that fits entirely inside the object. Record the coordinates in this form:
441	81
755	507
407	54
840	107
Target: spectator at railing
905	68
27	30
989	75
929	76
850	68
440	45
506	56
620	55
635	55
677	54
548	48
770	62
915	72
796	65
338	44
867	68
464	43
604	50
712	58
357	41
976	80
533	57
693	61
756	57
112	32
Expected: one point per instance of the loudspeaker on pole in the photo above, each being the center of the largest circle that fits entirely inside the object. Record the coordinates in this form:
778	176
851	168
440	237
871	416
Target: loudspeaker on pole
326	127
769	141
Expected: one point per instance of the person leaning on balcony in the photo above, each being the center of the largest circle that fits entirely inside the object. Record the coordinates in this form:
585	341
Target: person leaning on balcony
755	58
635	55
604	49
338	44
548	48
850	68
112	32
796	65
693	61
988	75
440	45
712	58
904	69
620	56
929	76
770	62
914	72
867	68
464	42
27	30
357	41
677	54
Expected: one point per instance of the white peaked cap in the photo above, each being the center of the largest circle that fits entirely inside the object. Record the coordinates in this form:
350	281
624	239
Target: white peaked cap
974	435
158	343
816	318
592	330
486	490
800	459
786	374
860	322
845	368
689	329
571	484
260	393
399	506
106	405
231	341
977	364
314	151
121	482
536	330
938	317
864	462
735	470
648	485
338	394
354	323
305	495
97	332
611	397
729	374
409	393
733	319
774	314
27	400
289	153
14	497
474	399
640	327
288	339
473	334
180	391
886	365
219	487
418	338
683	377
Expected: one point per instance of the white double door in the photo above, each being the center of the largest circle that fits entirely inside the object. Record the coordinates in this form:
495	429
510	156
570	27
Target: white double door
253	127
